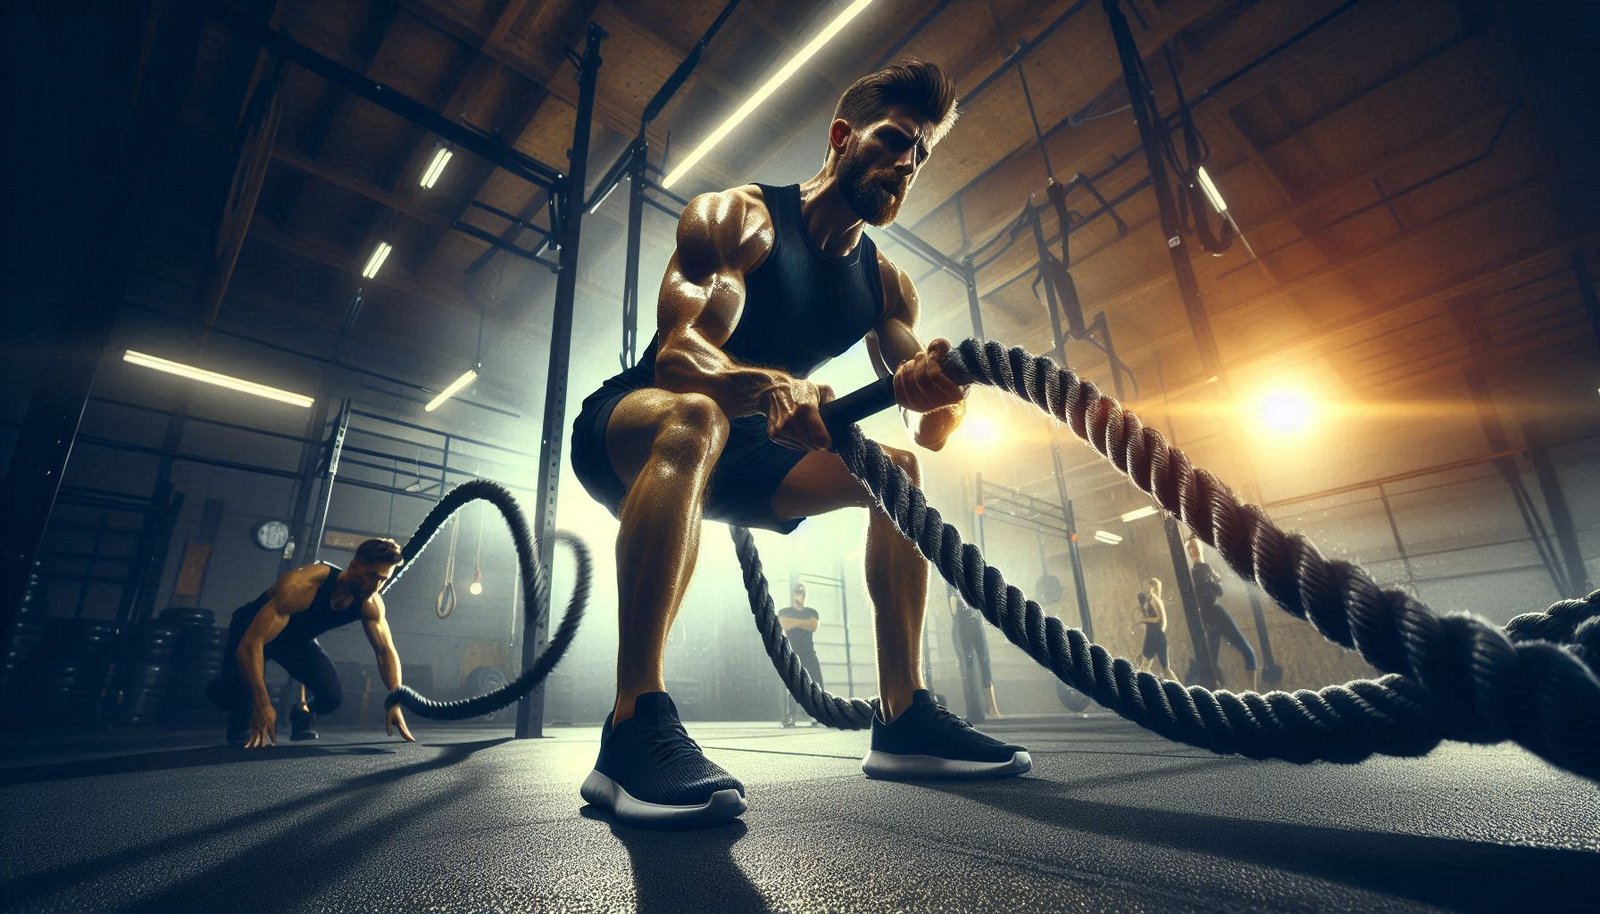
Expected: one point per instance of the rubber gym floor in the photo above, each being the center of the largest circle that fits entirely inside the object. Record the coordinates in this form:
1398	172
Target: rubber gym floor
468	819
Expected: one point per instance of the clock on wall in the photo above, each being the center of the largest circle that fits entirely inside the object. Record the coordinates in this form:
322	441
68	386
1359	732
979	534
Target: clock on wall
272	535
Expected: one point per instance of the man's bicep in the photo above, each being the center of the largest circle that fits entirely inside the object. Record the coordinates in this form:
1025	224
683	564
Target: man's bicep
378	633
894	339
704	285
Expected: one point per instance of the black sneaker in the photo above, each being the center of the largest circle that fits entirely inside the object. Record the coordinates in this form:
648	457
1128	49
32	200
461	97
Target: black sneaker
300	729
928	741
651	773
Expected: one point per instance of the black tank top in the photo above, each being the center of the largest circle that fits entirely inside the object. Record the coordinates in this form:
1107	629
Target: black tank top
315	619
803	306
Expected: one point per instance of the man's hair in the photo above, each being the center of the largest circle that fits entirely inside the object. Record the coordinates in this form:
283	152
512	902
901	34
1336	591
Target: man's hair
919	86
379	551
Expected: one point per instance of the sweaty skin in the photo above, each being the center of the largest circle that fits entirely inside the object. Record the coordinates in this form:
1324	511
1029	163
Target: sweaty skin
665	440
294	593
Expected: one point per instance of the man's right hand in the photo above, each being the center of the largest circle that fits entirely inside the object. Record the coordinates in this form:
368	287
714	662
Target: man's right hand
793	417
263	728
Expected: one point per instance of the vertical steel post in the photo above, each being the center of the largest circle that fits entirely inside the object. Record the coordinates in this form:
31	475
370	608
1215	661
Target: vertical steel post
319	522
971	277
1150	135
530	711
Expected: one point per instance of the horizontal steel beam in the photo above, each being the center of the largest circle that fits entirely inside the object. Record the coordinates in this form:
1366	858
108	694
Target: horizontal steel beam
483	145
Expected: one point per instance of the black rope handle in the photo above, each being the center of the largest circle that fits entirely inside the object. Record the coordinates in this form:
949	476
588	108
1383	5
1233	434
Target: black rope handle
535	600
1450	676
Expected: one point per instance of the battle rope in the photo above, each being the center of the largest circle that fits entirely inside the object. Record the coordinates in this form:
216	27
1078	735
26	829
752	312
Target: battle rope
1451	676
535	597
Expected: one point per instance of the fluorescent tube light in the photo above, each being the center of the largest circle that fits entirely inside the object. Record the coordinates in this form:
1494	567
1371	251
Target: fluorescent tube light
211	377
441	158
1136	513
375	262
456	386
1107	537
770	86
1214	195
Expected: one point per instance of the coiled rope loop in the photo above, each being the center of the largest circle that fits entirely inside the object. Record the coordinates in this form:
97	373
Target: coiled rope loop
1450	676
535	600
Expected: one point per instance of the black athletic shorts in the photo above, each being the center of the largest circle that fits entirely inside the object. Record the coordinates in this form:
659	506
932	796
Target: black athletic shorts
748	474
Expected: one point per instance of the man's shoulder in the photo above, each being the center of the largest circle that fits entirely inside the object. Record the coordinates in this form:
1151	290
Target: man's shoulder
297	587
810	613
730	226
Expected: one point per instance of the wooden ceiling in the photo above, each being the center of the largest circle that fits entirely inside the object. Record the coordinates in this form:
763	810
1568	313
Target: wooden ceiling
1386	161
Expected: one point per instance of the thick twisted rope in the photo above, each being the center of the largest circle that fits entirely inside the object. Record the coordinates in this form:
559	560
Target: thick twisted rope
535	601
843	713
1450	676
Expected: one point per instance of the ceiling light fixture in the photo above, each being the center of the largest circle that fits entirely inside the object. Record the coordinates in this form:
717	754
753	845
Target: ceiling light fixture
456	386
1107	537
1135	514
767	88
375	262
1212	194
211	377
441	158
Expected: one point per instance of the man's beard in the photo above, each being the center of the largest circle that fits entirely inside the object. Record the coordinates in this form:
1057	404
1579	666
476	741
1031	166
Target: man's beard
870	197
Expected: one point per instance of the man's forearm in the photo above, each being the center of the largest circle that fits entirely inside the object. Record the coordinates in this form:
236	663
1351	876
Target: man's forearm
704	369
253	669
389	669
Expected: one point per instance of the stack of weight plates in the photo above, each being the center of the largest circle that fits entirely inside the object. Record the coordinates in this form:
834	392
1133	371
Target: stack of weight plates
71	672
140	685
196	661
19	670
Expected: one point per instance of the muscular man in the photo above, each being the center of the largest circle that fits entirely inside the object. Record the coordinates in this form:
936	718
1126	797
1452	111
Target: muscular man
1218	624
283	624
800	623
972	656
718	420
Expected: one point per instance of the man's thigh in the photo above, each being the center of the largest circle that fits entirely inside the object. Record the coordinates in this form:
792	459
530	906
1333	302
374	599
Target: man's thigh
819	483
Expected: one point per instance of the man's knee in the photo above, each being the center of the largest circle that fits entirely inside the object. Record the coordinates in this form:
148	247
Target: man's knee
906	461
694	427
327	695
327	700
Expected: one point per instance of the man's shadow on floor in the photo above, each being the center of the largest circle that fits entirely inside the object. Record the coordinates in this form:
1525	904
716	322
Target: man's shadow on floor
167	759
690	870
1448	872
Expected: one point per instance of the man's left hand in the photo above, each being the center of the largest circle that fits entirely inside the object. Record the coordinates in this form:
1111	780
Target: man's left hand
920	383
397	720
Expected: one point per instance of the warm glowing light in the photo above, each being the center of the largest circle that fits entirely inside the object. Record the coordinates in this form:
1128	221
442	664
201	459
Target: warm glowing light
441	158
211	377
1136	513
1107	537
980	430
375	262
1287	411
456	386
770	86
476	587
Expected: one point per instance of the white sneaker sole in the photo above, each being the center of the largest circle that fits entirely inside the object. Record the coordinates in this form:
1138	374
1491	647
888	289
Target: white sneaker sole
893	767
601	791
